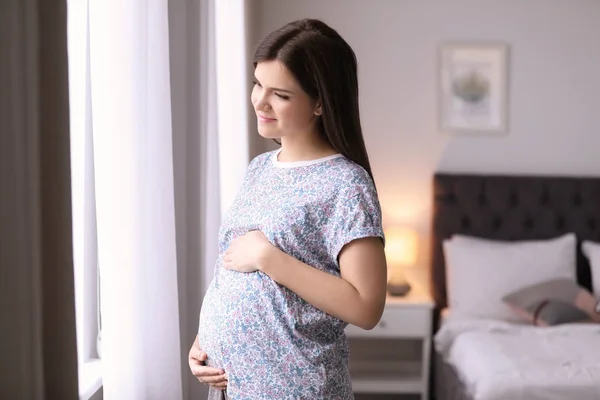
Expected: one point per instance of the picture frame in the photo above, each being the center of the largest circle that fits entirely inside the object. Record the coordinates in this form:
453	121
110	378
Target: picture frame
473	88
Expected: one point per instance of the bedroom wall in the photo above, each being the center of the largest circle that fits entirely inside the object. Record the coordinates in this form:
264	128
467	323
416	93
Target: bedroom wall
554	89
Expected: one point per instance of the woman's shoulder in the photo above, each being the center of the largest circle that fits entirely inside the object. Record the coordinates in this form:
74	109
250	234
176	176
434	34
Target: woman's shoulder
261	160
351	173
348	179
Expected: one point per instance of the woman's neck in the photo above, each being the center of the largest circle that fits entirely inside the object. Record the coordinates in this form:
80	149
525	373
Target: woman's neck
304	149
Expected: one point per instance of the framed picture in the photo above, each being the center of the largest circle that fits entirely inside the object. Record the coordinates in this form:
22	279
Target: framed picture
473	88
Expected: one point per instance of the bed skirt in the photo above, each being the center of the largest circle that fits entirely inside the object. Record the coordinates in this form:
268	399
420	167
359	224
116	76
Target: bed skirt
446	383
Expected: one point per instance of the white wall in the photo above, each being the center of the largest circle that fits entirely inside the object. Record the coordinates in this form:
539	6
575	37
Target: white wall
554	89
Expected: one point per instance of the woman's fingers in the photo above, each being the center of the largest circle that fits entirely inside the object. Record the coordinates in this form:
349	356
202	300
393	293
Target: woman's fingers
200	370
197	354
220	386
200	356
211	376
215	379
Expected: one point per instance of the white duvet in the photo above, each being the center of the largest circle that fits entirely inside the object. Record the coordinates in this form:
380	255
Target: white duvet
504	361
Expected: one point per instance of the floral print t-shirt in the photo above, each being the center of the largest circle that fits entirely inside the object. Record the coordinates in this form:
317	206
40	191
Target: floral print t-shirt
272	343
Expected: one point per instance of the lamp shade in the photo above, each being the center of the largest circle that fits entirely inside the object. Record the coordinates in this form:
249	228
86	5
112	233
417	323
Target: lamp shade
401	246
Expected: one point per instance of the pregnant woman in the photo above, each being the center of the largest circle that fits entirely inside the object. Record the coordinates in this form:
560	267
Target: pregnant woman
301	249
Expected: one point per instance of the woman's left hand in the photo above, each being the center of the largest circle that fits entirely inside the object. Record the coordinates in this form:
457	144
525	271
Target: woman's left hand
247	253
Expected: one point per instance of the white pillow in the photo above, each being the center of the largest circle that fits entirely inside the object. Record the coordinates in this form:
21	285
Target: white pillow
480	272
592	252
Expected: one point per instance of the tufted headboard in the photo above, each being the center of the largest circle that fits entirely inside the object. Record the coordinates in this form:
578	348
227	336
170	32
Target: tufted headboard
512	208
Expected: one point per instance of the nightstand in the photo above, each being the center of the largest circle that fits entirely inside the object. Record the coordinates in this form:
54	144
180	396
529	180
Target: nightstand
394	356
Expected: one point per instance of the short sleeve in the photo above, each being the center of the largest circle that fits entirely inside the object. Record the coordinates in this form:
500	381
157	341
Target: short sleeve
356	215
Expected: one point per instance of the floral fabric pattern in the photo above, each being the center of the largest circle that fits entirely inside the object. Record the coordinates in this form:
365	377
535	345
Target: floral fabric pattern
272	343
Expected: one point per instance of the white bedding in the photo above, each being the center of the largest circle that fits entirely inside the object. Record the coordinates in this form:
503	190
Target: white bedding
505	361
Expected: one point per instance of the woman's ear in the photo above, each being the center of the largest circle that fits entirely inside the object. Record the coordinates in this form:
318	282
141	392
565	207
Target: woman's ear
318	109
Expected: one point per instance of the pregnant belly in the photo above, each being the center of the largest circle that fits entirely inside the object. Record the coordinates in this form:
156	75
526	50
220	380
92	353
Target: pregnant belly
241	311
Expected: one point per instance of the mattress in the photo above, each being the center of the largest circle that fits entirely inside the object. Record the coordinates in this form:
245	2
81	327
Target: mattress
498	360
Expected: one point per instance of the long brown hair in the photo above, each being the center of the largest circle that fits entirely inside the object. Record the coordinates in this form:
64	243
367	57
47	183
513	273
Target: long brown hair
325	67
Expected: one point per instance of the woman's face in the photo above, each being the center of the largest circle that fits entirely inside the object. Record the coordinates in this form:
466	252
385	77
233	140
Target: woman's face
282	108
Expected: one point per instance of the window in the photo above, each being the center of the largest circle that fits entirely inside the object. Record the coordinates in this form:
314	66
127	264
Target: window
85	258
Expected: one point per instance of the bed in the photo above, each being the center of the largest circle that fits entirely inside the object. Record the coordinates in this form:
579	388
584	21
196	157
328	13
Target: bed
488	358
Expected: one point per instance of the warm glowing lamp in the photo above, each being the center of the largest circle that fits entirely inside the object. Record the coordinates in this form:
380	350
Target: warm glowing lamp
400	252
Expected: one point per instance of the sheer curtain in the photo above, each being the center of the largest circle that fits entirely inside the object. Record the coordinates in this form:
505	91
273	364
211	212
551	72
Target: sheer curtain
135	207
162	161
156	138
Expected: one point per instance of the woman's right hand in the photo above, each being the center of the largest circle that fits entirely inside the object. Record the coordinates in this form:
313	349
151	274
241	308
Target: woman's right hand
214	377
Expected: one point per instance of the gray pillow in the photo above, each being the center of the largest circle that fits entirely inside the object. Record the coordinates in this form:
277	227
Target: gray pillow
555	312
553	302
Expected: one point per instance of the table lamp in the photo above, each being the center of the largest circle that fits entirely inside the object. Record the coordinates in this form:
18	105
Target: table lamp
400	252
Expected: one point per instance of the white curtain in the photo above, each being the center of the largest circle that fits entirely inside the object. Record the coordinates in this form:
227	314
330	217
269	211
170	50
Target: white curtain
233	95
163	161
133	156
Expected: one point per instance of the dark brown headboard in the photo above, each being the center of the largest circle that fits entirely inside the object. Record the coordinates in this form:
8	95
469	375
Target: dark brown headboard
512	208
